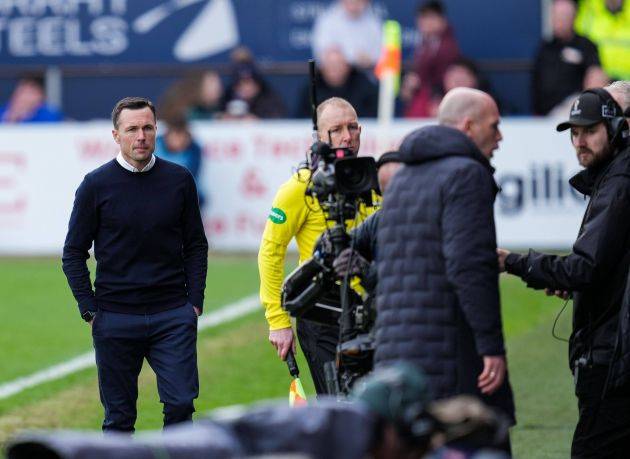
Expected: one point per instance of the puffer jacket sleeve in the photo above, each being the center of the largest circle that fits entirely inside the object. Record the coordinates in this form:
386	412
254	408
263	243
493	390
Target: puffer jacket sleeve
469	247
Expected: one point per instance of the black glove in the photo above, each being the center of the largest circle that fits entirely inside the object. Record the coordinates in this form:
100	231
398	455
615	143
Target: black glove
350	262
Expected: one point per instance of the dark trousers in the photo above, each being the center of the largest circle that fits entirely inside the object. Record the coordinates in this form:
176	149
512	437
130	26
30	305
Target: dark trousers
168	340
603	428
319	344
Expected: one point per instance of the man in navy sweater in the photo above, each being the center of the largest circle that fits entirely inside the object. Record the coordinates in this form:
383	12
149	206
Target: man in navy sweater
142	214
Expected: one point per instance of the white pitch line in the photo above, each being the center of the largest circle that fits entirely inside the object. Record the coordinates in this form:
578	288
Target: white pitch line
225	314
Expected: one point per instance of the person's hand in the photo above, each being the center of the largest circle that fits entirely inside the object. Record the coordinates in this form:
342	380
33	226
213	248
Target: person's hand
282	339
350	262
502	254
197	311
559	293
492	375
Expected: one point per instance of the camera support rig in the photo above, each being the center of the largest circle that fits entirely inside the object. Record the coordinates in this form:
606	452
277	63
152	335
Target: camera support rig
313	291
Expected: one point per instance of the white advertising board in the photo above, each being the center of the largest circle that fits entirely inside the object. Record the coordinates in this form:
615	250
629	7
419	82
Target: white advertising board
244	163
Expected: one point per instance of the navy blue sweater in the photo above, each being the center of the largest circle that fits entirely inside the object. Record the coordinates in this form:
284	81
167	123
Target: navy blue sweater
150	248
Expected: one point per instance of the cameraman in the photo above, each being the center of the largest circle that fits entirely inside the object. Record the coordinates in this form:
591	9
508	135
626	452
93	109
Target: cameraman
294	214
595	272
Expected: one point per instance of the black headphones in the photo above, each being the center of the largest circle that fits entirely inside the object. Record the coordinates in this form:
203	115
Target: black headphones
614	119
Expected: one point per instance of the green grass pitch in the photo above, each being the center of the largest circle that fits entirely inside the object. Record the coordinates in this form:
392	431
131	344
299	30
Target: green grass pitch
40	327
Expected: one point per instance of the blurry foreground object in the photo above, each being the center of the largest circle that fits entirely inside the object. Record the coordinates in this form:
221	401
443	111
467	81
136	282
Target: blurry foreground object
388	416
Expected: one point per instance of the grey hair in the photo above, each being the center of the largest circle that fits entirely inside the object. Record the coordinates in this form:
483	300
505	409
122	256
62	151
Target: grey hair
620	91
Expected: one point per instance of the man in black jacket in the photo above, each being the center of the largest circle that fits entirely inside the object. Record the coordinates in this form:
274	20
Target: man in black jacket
595	272
142	215
438	280
562	61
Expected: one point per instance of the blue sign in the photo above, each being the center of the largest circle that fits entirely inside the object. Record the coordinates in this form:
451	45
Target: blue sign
193	31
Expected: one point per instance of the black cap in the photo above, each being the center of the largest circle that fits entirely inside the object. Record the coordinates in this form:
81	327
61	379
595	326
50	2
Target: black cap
588	109
388	157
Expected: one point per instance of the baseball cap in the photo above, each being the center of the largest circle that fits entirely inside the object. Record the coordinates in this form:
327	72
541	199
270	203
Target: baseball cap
588	109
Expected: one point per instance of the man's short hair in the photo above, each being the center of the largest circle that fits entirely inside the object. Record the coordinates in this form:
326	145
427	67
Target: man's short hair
431	6
33	78
131	103
337	101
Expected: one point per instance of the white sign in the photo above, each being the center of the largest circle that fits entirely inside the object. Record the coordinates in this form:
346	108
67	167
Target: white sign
244	164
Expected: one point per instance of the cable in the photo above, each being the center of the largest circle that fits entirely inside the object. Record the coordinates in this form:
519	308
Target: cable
553	329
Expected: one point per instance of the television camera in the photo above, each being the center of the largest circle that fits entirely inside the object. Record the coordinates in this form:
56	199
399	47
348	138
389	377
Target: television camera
340	183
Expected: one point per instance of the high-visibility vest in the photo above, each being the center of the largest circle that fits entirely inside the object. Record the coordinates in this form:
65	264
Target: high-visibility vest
610	32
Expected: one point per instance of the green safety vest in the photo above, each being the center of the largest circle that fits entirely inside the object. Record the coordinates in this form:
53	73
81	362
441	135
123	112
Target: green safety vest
610	32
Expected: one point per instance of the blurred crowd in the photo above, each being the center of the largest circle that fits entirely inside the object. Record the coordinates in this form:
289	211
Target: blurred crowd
587	46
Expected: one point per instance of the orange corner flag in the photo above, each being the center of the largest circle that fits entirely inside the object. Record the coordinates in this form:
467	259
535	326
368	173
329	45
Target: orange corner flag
296	393
390	61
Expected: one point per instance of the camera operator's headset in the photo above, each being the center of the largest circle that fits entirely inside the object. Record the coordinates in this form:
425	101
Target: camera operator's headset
614	119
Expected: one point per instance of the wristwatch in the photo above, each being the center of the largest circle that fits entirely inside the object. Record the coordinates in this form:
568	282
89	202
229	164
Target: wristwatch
88	316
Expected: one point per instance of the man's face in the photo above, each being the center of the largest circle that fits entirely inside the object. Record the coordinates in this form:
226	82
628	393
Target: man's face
484	129
136	136
591	144
431	24
562	18
334	67
385	174
177	140
354	8
338	126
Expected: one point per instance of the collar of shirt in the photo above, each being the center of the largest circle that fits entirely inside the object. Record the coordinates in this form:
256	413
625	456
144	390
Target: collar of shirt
121	160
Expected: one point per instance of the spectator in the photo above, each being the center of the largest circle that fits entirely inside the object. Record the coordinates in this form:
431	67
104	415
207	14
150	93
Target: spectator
462	73
562	62
208	101
28	104
337	78
354	27
250	96
438	49
595	78
607	24
178	146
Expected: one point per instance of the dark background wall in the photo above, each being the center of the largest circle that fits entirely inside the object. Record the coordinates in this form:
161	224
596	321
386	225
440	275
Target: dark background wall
102	57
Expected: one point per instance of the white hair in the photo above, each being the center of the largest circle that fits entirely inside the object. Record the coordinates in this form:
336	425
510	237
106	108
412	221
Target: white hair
620	91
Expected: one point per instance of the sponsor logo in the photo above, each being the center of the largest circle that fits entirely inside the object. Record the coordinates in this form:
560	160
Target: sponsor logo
576	110
195	42
277	216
